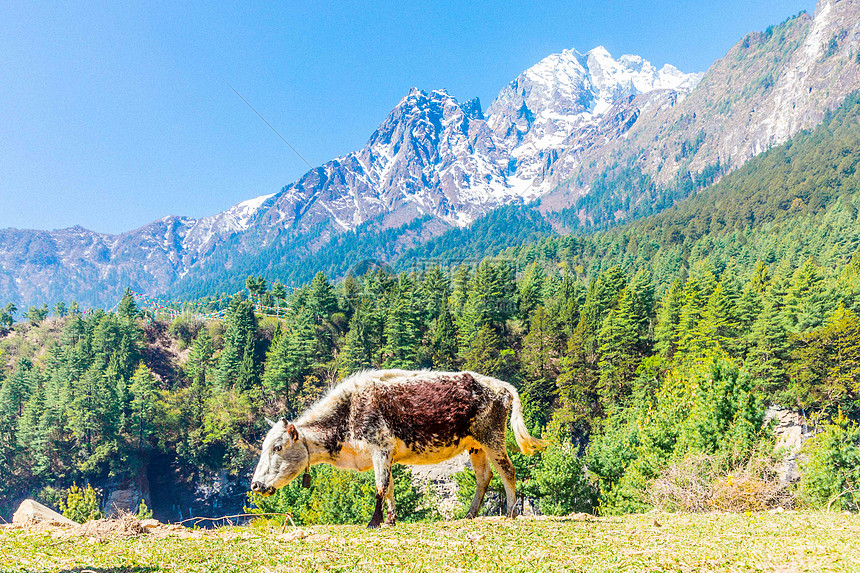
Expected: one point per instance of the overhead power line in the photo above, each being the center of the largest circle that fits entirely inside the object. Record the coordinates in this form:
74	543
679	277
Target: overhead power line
270	125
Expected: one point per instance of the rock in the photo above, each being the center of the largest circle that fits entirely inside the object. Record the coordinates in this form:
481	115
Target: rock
529	507
33	511
439	478
124	496
791	432
121	501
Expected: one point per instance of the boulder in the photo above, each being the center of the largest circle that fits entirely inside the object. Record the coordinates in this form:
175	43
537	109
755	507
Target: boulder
31	511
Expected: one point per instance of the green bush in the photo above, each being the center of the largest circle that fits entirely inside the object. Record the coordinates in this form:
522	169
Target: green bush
143	511
562	484
706	408
831	474
82	505
343	497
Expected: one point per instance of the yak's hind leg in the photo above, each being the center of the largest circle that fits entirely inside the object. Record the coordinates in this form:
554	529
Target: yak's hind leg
382	474
489	431
390	512
481	465
508	473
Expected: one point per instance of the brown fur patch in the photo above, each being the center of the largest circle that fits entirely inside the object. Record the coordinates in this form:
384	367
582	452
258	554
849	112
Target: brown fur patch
423	413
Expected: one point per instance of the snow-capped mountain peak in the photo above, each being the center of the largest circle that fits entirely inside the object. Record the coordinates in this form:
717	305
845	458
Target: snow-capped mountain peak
559	95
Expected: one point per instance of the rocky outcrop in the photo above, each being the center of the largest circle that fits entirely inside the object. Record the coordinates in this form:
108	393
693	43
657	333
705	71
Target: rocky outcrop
125	497
791	432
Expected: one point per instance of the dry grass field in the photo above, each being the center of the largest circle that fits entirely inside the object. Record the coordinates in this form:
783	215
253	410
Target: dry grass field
785	542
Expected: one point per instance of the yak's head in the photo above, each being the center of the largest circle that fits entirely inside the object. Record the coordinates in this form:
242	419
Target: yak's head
284	456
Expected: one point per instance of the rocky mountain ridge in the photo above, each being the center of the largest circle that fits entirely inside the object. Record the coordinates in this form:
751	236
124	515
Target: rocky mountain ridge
551	133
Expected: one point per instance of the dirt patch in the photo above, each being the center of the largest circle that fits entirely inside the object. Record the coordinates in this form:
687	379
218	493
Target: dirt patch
125	526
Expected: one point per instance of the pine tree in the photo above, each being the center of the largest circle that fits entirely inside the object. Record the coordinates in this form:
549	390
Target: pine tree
350	295
539	362
825	368
848	284
15	392
127	307
143	389
239	338
570	297
460	292
531	290
257	286
805	300
322	299
200	357
668	319
602	297
718	327
279	293
578	388
290	359
60	309
249	375
767	358
761	279
434	293
643	305
697	291
401	332
358	353
444	342
619	343
36	314
481	354
31	435
750	305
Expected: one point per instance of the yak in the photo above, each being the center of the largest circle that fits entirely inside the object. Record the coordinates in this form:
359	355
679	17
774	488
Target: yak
376	418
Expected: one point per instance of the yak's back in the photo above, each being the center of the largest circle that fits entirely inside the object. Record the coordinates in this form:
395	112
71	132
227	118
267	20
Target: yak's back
421	408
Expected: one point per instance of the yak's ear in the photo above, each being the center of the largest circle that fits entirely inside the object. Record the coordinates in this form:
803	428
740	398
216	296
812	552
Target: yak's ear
293	433
271	423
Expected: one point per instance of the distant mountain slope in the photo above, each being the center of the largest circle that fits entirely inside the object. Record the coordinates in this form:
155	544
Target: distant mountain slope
768	87
599	141
798	200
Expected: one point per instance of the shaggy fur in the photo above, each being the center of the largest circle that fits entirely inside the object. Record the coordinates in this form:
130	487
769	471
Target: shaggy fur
375	418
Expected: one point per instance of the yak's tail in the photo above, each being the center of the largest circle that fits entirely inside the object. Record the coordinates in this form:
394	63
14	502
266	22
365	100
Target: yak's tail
525	441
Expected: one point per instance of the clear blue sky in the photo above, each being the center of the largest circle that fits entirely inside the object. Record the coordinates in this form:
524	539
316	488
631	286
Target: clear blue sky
115	114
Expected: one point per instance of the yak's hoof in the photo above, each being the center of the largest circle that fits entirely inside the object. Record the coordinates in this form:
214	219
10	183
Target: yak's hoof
470	515
373	525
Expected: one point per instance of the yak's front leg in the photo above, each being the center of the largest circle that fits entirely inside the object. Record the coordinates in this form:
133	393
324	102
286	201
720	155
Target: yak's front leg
382	474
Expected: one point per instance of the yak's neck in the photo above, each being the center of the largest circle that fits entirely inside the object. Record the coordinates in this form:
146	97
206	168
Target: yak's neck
319	447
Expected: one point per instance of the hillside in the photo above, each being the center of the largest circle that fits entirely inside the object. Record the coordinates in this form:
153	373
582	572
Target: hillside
796	201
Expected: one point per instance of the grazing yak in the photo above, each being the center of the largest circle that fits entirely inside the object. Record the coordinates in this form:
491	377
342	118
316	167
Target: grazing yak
376	418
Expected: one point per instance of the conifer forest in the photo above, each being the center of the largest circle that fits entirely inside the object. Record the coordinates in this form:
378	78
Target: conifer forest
641	352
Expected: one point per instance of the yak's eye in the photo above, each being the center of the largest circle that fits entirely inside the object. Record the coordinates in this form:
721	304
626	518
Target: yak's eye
277	448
